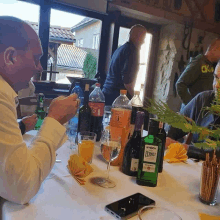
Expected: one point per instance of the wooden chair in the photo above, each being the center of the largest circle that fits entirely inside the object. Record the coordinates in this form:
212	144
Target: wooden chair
29	101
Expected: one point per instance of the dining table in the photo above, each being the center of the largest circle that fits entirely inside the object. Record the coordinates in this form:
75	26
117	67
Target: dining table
62	197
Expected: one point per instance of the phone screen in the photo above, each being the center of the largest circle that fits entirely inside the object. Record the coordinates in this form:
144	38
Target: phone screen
128	206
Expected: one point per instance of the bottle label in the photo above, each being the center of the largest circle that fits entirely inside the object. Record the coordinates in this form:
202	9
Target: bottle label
41	104
97	108
134	164
150	153
150	168
120	117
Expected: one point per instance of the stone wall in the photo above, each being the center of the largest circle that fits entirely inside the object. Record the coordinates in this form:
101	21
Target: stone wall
170	52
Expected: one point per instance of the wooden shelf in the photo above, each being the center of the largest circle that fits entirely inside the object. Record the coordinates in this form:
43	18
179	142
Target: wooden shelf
168	15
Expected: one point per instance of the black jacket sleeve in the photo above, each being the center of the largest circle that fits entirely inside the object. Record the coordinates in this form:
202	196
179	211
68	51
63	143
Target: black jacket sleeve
22	127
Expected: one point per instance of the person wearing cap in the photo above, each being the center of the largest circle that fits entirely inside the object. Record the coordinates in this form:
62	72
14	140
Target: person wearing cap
124	66
23	169
198	74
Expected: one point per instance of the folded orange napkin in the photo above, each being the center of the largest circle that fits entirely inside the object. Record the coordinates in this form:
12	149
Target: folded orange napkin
79	168
176	153
208	217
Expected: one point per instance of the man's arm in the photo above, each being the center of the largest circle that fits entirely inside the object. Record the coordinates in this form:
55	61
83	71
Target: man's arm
130	70
23	169
187	78
130	88
27	123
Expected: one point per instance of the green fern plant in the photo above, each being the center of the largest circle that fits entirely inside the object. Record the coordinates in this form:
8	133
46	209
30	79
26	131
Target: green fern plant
166	115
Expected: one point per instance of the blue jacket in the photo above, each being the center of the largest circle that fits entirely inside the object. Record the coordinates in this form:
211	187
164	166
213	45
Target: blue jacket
195	110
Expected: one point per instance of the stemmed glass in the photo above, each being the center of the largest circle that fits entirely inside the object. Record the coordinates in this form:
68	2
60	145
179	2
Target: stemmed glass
110	149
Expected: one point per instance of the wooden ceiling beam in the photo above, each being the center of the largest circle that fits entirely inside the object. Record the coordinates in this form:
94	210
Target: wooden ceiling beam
192	9
201	9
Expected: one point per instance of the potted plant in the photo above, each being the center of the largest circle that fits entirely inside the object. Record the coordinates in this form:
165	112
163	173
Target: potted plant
211	167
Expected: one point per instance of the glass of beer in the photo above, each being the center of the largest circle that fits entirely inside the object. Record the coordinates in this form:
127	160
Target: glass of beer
86	143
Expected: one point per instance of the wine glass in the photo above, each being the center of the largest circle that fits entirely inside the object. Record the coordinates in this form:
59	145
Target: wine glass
156	213
110	149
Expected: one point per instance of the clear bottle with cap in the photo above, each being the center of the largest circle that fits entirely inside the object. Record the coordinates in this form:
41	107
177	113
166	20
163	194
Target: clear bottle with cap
122	100
136	105
73	122
121	111
97	105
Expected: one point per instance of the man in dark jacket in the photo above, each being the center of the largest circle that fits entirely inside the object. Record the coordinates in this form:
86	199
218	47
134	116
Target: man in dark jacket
124	66
195	110
198	74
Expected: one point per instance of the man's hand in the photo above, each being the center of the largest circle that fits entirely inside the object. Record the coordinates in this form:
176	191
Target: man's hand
29	122
171	141
63	108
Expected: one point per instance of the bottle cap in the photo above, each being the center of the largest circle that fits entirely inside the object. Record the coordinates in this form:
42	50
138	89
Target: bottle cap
97	84
123	92
136	92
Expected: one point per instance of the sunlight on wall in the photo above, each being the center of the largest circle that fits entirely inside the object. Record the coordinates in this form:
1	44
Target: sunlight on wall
144	58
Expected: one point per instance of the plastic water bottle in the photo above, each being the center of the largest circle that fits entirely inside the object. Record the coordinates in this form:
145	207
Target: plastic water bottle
73	122
77	89
121	111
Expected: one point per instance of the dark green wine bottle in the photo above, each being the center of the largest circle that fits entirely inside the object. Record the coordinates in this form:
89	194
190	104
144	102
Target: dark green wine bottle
149	157
162	136
41	114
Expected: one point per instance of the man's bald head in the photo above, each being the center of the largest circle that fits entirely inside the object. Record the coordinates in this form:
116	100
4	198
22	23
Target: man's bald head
137	34
213	51
13	33
20	52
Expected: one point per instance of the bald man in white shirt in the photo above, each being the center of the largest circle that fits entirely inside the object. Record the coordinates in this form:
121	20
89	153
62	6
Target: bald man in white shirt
23	169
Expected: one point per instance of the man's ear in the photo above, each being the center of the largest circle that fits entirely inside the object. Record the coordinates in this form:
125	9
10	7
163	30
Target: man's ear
10	56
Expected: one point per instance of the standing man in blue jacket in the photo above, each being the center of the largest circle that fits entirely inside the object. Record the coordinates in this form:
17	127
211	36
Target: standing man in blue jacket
124	66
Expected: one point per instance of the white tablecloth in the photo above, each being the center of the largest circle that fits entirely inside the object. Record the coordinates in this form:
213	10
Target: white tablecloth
61	197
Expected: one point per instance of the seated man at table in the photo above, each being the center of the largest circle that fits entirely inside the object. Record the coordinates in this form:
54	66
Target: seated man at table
23	169
27	123
195	110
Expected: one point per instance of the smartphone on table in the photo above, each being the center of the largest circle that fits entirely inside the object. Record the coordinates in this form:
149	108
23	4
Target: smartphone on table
129	206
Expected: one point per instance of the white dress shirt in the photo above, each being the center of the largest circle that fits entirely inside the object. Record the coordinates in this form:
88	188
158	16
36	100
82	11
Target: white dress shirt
23	169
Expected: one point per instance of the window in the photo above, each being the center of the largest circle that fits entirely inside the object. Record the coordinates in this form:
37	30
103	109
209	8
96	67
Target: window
71	50
80	42
95	44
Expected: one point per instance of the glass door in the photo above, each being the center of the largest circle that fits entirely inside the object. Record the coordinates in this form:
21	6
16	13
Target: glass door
144	58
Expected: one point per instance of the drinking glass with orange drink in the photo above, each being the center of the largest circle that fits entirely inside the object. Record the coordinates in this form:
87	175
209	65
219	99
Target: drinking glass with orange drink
86	143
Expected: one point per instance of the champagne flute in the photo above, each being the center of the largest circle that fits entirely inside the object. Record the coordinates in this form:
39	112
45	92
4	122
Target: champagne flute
110	149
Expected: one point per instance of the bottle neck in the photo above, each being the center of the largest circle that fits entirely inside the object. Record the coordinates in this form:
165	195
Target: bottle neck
139	121
153	130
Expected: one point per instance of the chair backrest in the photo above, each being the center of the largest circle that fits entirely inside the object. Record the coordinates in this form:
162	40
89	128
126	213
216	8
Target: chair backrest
29	101
188	138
